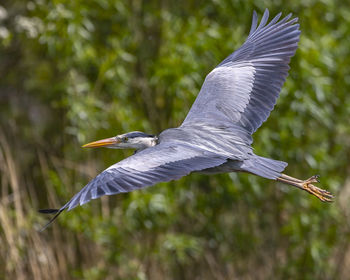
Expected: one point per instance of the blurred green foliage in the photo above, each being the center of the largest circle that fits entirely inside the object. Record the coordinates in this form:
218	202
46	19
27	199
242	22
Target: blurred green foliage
77	71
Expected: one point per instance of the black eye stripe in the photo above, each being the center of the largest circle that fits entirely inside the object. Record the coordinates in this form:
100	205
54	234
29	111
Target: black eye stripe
138	134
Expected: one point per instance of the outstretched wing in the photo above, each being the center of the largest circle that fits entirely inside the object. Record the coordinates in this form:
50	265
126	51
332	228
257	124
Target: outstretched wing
161	163
243	88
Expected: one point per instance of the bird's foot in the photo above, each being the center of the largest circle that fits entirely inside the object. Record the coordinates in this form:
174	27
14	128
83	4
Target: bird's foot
321	194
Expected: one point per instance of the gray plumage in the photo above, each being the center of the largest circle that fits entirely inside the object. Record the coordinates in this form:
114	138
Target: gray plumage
216	136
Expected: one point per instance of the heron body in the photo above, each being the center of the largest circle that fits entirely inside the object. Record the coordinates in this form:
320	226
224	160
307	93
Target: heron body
216	136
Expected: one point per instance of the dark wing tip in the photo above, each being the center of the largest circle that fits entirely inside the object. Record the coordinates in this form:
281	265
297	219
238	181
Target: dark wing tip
50	211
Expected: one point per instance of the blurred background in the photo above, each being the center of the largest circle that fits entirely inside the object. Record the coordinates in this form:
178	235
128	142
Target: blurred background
72	72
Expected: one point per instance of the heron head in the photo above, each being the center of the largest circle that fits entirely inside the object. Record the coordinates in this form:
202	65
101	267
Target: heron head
131	140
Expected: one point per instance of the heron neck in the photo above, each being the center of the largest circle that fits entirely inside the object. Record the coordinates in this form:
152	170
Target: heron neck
143	143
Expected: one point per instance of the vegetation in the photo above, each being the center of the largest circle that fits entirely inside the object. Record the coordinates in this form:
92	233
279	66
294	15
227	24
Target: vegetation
77	71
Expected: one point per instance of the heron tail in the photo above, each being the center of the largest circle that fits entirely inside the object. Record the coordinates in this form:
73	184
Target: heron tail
264	167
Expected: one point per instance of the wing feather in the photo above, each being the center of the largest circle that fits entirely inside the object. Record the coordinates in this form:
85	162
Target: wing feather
254	23
244	87
161	163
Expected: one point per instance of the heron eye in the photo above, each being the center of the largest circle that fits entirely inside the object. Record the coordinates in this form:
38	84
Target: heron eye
125	139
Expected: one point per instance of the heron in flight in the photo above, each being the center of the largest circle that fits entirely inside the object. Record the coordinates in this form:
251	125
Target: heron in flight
216	136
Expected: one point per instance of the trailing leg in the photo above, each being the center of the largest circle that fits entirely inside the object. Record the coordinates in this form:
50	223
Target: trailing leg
307	185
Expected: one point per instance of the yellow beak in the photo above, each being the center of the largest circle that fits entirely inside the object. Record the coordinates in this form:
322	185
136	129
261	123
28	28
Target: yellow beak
102	143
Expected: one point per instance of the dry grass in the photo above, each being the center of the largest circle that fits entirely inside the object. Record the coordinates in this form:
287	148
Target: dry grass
25	252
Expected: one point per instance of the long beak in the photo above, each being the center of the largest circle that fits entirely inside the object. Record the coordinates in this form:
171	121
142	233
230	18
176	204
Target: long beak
102	143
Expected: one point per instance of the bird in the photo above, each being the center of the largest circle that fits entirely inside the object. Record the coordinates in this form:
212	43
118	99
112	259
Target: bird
236	97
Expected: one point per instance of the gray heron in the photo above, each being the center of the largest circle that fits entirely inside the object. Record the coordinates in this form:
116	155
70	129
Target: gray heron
216	135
